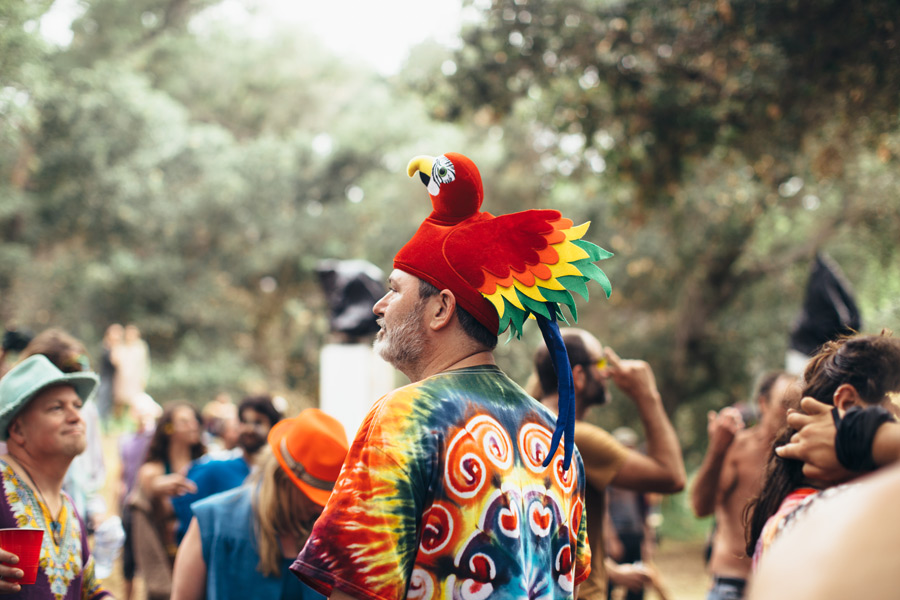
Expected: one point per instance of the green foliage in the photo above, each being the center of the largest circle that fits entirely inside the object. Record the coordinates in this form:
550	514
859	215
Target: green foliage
715	146
163	178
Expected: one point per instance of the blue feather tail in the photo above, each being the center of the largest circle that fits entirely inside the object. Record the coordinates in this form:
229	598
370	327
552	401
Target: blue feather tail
565	420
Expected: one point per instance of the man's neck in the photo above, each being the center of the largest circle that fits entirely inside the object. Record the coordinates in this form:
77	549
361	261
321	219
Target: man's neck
551	401
46	473
441	363
769	427
250	457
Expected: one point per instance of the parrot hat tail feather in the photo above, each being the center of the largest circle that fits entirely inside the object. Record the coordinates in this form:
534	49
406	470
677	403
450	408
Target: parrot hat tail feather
503	269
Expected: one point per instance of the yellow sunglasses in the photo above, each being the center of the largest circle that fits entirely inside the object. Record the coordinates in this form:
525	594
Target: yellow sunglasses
601	363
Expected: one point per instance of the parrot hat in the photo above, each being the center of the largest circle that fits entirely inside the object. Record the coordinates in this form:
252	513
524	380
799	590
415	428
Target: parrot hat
502	269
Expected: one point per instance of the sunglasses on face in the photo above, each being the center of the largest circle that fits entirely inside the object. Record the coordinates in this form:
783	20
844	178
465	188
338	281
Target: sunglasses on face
600	363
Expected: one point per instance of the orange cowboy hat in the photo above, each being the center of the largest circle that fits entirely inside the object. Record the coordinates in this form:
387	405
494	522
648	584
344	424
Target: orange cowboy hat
311	449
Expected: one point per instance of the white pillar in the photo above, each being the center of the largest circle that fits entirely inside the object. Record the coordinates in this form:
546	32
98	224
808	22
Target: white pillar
351	378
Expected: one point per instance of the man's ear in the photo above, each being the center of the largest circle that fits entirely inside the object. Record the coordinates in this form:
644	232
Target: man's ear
846	397
441	309
579	378
15	431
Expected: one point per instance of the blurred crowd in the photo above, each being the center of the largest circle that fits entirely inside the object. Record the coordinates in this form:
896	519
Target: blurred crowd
204	492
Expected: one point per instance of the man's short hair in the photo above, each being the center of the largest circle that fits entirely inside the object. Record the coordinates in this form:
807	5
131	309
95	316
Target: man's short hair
765	383
543	365
470	325
261	404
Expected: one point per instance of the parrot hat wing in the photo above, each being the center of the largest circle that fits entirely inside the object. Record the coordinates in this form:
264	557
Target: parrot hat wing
503	269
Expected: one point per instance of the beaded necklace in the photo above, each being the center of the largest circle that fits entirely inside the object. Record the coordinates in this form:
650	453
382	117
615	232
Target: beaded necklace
55	525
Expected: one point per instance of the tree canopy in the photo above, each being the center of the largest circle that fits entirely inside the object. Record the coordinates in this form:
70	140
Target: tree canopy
170	169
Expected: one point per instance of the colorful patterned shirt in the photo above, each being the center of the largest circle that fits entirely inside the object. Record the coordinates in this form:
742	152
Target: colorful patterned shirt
776	522
66	570
443	494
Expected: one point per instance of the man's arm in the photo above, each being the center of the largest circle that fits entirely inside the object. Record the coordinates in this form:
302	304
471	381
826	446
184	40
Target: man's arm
662	469
631	576
189	574
721	428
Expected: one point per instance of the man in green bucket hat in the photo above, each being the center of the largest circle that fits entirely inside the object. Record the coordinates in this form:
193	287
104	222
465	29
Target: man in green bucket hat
40	420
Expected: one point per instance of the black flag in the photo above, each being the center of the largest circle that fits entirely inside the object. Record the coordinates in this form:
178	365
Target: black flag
829	309
352	288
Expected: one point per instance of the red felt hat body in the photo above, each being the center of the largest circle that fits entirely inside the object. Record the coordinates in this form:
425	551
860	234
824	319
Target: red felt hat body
424	257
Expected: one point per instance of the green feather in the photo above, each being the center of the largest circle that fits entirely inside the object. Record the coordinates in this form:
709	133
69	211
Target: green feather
515	316
535	306
575	283
603	280
594	251
572	310
559	297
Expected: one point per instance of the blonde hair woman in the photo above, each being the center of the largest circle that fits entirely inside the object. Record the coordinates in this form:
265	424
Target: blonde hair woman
240	543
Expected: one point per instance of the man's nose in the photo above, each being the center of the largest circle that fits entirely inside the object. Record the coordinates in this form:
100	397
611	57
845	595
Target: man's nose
378	309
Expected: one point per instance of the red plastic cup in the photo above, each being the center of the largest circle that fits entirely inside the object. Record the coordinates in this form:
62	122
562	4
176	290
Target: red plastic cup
24	542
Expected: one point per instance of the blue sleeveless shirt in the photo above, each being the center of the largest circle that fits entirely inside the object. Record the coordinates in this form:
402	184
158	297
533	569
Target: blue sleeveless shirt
231	552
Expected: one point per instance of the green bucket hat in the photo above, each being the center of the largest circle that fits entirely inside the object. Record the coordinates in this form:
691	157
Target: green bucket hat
26	379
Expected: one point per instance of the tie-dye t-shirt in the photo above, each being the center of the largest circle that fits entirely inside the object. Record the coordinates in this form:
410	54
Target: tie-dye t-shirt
443	495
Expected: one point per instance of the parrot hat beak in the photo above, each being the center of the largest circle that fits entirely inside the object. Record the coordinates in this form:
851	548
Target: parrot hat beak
423	166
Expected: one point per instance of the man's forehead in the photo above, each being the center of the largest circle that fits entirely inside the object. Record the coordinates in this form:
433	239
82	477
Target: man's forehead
591	343
785	385
398	277
53	393
251	413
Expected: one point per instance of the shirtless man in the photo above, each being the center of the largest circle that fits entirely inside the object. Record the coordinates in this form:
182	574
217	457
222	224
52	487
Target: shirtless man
731	474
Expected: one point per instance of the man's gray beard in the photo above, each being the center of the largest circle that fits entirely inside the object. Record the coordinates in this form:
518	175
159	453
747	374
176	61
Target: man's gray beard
402	346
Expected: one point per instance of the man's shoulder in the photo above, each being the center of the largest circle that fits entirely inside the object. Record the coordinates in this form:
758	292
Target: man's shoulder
222	498
593	440
229	464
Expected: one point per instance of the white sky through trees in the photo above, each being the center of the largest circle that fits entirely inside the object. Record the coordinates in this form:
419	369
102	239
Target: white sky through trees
380	33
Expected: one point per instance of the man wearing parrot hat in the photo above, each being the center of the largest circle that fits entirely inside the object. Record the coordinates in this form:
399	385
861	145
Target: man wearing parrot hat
457	485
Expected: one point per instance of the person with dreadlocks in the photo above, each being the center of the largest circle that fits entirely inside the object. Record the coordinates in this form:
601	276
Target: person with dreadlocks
456	485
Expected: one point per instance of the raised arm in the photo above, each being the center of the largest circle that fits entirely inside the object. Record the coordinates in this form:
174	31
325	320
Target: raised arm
721	428
662	468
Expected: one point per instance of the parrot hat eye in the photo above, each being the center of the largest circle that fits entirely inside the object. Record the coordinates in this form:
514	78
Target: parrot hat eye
443	170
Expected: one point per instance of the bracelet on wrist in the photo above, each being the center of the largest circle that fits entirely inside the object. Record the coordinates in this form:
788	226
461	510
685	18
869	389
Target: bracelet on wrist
856	434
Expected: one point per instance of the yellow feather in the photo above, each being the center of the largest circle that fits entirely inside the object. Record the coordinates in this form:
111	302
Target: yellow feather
576	233
510	294
549	284
497	300
563	268
532	292
569	252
